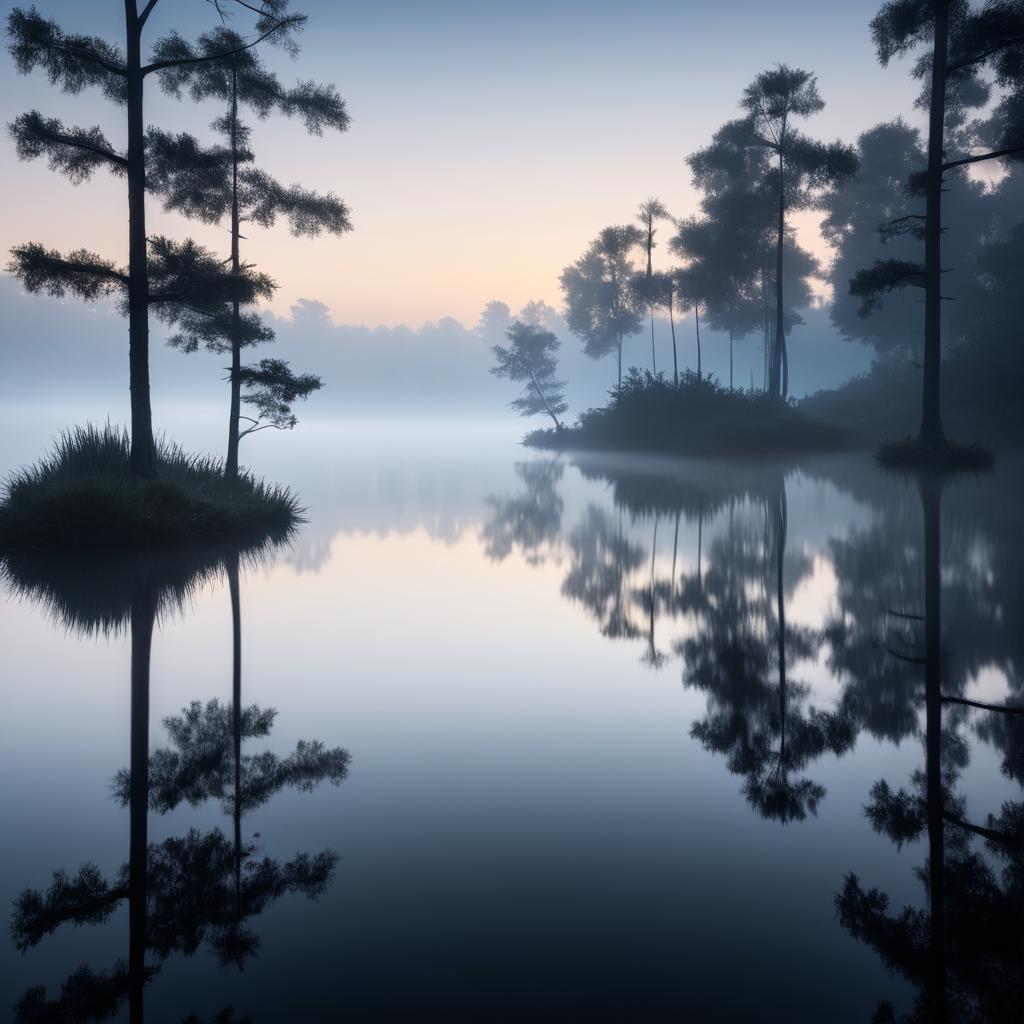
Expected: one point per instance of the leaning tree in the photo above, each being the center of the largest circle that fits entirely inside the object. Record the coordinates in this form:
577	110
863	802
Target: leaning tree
223	182
73	62
529	359
601	304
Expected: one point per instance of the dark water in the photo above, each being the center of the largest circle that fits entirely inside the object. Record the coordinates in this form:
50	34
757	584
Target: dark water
554	739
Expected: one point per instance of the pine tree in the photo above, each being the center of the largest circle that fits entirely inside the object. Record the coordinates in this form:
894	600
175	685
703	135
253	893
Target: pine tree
223	182
968	51
73	62
805	171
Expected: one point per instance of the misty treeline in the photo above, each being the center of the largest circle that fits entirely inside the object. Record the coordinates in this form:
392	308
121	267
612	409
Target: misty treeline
207	298
737	263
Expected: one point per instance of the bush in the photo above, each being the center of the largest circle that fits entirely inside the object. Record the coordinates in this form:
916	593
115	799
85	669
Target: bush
649	413
82	495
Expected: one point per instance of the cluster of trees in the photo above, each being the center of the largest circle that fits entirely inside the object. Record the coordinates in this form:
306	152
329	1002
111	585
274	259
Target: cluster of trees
739	263
207	298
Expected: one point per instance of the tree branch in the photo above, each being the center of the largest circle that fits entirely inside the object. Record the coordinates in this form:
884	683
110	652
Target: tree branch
982	156
976	58
146	11
283	25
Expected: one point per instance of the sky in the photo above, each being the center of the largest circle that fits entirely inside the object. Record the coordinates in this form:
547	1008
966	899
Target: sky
489	141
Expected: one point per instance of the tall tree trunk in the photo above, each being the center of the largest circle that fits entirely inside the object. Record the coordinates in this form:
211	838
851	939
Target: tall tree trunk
930	489
730	359
143	616
775	370
619	358
931	433
231	463
654	358
675	357
143	450
696	316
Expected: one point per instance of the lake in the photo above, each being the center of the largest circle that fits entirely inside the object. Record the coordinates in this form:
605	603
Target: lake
556	738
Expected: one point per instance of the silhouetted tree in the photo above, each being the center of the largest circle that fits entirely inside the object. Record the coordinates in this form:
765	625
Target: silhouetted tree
601	305
223	182
529	359
963	44
73	62
650	212
806	170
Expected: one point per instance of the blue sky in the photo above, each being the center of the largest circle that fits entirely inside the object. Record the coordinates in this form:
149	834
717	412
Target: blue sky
490	141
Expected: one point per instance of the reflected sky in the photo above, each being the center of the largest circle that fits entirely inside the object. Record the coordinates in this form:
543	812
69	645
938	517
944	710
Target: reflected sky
578	782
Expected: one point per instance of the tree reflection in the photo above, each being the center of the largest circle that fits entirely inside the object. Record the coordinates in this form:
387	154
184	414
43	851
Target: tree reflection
186	891
531	521
602	558
964	952
739	658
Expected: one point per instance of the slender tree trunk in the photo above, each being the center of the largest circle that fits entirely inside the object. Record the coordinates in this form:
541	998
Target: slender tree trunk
654	358
143	616
730	359
696	317
231	463
930	490
143	451
675	357
619	357
544	399
775	370
931	434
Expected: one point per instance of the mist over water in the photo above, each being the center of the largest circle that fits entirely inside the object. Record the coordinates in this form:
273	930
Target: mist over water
560	802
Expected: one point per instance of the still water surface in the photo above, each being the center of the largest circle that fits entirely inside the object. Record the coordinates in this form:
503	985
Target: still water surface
555	738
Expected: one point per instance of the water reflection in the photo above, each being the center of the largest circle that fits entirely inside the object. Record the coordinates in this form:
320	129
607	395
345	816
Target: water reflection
913	624
965	952
184	891
617	723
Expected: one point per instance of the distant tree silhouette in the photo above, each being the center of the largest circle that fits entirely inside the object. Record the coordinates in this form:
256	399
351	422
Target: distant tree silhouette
967	51
805	171
223	181
734	240
73	62
529	359
601	305
650	212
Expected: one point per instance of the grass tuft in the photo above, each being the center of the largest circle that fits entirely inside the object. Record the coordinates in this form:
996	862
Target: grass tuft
81	494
